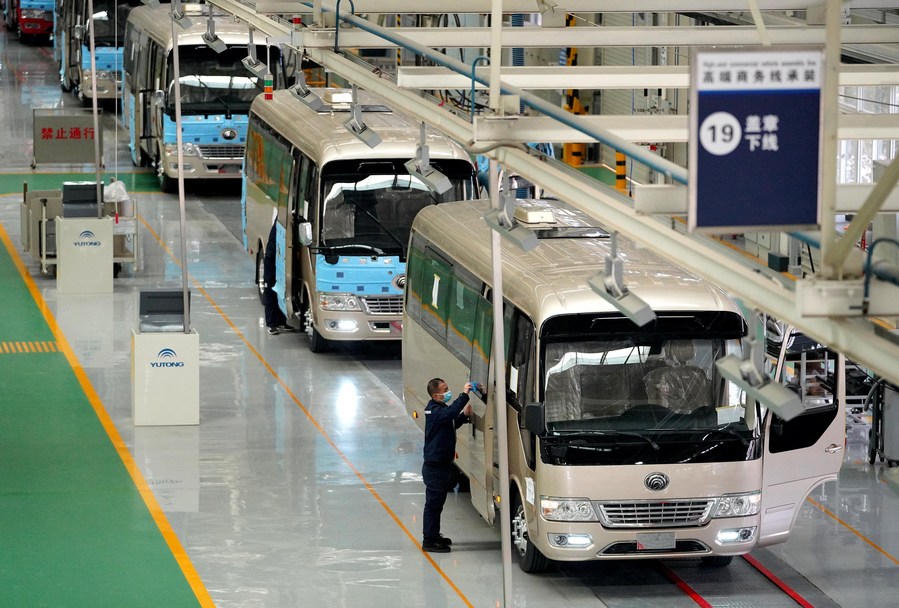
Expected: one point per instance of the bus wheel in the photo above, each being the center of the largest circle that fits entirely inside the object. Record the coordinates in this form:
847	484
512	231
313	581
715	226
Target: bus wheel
529	557
717	561
317	343
64	84
260	273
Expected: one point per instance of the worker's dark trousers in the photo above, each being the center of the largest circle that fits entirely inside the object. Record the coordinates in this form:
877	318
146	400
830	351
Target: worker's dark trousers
437	478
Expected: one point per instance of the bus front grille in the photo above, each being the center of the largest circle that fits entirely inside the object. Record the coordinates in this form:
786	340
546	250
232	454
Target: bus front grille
655	514
383	305
217	152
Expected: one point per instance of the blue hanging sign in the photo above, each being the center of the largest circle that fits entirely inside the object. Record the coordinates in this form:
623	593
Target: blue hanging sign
755	139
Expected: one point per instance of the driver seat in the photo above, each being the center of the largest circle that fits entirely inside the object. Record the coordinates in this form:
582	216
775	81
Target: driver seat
679	386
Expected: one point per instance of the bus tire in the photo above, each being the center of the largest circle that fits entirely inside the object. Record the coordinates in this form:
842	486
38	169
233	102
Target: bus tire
260	273
717	561
317	343
64	84
530	559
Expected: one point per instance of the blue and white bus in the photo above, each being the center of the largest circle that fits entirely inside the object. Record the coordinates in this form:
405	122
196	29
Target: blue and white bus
342	210
73	28
216	92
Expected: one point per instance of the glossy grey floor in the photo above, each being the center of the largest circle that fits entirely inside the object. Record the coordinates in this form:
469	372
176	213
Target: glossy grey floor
301	485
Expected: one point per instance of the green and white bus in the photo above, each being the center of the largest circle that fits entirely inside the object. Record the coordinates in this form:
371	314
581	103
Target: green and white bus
342	210
624	442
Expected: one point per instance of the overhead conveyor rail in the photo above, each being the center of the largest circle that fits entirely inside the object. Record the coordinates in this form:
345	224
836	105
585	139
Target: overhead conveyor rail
857	337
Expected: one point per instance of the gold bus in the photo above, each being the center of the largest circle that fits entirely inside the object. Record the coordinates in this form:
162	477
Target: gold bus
342	210
624	441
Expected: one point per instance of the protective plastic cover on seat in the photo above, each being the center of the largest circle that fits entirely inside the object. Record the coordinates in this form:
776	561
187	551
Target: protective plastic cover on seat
680	387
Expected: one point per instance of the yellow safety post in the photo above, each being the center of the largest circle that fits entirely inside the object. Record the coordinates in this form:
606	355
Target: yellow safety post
620	172
573	154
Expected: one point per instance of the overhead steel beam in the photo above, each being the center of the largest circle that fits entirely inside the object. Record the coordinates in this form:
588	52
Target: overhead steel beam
856	337
652	128
672	200
583	37
572	6
608	77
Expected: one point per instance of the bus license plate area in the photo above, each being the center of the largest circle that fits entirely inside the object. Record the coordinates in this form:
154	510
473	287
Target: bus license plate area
655	541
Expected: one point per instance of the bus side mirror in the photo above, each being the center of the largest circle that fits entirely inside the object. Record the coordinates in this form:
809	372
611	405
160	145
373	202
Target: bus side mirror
158	98
534	418
304	231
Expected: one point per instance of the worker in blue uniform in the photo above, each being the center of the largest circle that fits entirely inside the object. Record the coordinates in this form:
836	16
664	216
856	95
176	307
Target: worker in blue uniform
442	418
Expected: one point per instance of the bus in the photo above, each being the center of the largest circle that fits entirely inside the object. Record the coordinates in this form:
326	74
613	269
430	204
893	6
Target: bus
73	29
342	209
216	92
624	441
30	19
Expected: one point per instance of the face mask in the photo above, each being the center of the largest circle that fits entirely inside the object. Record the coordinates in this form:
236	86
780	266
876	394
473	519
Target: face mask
447	396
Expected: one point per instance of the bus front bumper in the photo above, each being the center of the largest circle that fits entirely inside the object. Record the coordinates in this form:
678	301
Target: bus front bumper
591	541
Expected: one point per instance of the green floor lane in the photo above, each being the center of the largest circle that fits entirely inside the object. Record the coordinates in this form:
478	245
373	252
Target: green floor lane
74	528
10	183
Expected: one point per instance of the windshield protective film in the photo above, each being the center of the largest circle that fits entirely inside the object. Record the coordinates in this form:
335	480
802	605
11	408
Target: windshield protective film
213	83
619	394
370	206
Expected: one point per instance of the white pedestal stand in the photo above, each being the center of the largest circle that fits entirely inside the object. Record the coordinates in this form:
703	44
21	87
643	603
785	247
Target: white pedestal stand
165	371
84	252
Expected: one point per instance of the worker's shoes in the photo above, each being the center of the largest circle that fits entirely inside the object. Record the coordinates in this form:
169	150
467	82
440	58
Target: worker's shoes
445	540
435	547
281	329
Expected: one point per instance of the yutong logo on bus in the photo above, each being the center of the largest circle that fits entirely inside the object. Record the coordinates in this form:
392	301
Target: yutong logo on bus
229	133
656	482
167	358
87	239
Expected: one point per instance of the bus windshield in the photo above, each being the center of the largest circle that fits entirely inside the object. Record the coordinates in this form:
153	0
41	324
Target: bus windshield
625	395
109	20
370	205
213	82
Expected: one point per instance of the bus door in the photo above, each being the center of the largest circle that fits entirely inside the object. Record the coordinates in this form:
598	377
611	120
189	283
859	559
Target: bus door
799	455
301	187
483	422
280	266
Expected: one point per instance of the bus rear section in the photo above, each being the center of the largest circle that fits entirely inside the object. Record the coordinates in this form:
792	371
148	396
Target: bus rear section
624	441
35	18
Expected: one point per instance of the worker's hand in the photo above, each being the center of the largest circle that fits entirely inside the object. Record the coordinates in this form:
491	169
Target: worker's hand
468	387
467	409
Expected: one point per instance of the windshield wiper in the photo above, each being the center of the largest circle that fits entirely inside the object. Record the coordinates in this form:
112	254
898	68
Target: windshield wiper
379	223
577	434
216	95
727	431
350	246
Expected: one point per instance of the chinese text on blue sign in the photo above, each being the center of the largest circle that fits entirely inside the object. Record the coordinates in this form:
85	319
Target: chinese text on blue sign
755	139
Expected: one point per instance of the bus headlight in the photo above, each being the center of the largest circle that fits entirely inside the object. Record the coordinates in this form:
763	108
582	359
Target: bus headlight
738	505
187	149
32	13
567	509
338	301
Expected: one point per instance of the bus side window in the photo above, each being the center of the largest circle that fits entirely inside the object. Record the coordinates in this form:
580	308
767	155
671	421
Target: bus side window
482	341
519	358
461	315
414	265
436	279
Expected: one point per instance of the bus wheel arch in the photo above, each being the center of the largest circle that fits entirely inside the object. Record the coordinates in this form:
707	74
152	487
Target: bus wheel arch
166	183
317	342
529	557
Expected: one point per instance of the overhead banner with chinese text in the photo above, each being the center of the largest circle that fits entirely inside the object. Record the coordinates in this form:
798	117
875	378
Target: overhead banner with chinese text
755	139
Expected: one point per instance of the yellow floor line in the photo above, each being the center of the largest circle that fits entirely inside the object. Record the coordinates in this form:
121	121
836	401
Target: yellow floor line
156	511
